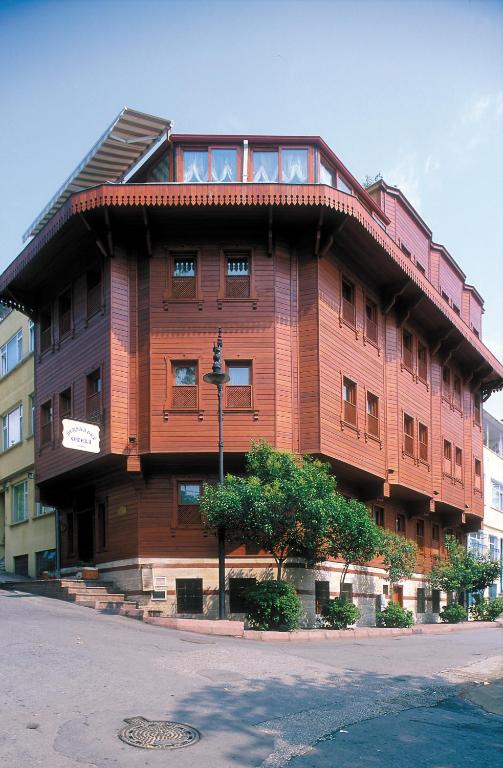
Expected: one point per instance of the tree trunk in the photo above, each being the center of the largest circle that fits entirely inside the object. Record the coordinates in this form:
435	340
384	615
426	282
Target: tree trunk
279	563
343	577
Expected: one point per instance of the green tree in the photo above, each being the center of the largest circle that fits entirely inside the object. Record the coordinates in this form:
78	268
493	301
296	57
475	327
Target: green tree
353	537
399	556
284	504
462	571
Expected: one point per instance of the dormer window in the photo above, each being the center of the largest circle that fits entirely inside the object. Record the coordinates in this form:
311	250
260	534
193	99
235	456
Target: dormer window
294	166
217	164
287	164
326	175
195	166
265	166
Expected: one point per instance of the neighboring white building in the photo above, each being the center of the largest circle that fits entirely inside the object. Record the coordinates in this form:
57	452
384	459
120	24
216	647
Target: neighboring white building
489	541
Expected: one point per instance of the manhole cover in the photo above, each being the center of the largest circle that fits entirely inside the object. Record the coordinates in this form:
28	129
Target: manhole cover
158	734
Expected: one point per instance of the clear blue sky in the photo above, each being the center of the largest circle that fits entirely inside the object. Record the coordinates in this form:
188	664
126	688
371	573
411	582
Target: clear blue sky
411	90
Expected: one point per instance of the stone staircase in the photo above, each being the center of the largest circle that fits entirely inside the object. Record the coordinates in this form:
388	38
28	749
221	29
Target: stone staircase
100	595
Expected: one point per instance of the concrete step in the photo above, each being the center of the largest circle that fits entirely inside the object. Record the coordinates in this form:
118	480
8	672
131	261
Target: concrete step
131	611
105	598
87	590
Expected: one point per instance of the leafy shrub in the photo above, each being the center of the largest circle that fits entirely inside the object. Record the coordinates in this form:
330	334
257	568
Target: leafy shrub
486	610
339	613
453	613
394	616
273	605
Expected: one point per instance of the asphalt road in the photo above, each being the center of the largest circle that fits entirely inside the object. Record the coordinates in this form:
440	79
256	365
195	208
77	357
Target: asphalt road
69	676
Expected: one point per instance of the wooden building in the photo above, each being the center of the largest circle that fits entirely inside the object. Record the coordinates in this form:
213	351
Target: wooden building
348	333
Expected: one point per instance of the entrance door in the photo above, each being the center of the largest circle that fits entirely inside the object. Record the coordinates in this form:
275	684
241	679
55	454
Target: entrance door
85	535
398	595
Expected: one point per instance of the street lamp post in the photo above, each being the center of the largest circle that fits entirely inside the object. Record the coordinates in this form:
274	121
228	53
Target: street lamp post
219	378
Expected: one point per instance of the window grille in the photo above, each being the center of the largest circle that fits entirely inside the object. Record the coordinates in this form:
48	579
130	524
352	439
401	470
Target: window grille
189	596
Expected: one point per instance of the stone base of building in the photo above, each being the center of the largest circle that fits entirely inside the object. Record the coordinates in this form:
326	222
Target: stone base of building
166	587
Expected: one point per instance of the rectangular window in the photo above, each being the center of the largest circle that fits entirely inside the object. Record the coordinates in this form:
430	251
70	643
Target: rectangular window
347	592
183	280
447	458
435	535
265	166
372	414
188	512
12	352
65	404
237	594
326	175
407	349
408	434
294	166
458	464
185	386
102	525
456	309
93	400
342	185
400	524
497	495
446	383
456	392
45	329
405	250
476	408
46	422
445	297
348	301
238	392
371	320
420	268
31	401
189	596
378	513
237	276
12	427
349	401
321	595
93	291
422	362
478	475
31	336
420	533
65	313
20	502
224	164
159	588
195	166
423	442
435	601
420	600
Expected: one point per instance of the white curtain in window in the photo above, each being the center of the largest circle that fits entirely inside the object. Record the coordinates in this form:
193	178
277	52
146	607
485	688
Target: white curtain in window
294	166
326	176
265	166
223	165
195	167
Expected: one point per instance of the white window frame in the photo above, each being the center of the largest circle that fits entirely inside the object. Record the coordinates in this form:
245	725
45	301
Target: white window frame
6	441
18	340
160	585
497	487
31	336
14	517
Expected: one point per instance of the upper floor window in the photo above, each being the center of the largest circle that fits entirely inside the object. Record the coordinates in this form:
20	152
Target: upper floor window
183	280
476	408
343	186
423	442
184	393
497	495
407	349
446	383
326	175
188	511
65	404
371	320
435	533
372	414
447	458
458	464
20	502
349	401
12	427
378	515
405	250
93	400
93	291
237	279
65	312
265	166
218	164
31	415
239	386
12	352
477	475
46	422
400	523
348	301
45	328
294	166
408	434
456	392
422	361
31	336
420	532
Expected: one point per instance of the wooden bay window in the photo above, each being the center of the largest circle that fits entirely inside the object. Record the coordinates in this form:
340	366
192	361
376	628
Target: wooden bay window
349	391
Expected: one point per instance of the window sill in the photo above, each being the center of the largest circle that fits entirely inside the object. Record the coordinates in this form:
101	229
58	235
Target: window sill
348	425
229	300
404	367
423	381
348	324
188	411
424	463
11	448
409	455
42	515
19	522
375	344
167	300
373	438
18	365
